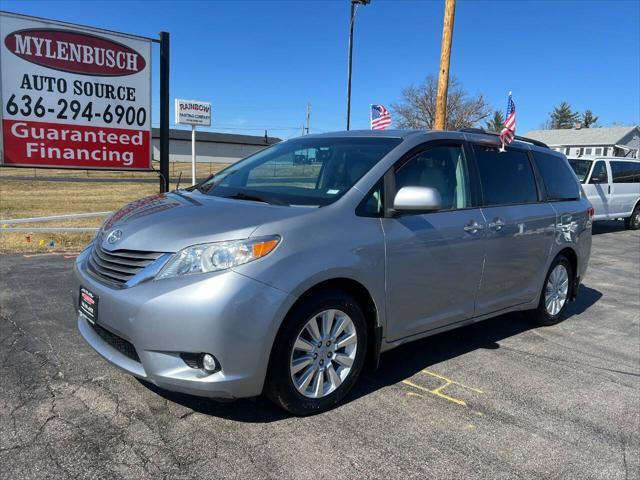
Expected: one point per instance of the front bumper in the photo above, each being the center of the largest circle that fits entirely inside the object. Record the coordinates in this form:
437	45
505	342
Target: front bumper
229	315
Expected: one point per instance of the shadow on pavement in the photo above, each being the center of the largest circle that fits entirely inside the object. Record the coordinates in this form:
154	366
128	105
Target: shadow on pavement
395	366
607	226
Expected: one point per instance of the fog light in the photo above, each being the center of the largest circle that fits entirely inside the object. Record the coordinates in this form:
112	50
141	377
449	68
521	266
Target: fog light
208	362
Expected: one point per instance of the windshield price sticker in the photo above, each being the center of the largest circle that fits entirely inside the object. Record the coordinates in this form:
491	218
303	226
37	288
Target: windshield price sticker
74	97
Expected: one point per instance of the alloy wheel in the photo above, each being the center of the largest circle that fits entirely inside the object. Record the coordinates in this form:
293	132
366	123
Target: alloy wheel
323	353
556	290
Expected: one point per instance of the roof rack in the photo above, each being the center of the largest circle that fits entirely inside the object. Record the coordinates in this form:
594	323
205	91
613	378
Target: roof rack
517	137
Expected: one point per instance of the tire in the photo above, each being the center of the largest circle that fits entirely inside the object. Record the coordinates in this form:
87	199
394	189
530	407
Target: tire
549	314
285	359
633	222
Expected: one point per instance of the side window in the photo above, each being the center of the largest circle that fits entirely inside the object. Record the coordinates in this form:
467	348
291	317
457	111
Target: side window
599	171
442	168
559	180
506	177
625	172
373	204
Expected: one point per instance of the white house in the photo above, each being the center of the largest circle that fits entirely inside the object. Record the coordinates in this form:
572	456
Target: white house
615	141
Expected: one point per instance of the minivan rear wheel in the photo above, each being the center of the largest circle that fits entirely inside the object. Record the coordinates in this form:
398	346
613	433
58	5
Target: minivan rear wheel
633	222
318	353
556	292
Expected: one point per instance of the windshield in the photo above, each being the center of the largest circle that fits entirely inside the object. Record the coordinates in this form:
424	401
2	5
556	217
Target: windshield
302	172
581	167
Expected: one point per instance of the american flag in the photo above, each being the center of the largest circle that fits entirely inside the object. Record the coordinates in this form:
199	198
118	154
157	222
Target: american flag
509	129
380	117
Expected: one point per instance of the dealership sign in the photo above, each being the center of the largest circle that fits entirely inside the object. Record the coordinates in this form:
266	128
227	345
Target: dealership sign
73	97
193	112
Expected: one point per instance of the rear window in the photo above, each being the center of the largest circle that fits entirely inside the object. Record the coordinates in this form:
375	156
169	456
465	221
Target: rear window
625	172
581	168
506	177
559	180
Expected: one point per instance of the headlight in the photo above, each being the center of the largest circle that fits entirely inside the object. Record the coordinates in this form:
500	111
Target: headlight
210	257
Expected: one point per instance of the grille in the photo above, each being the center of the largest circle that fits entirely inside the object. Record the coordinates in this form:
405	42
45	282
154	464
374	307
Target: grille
191	359
118	266
119	343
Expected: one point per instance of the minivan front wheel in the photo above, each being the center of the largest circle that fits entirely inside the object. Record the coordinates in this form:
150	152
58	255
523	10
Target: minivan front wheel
319	353
555	292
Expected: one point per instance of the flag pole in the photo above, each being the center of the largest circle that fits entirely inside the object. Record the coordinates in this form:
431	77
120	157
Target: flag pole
371	116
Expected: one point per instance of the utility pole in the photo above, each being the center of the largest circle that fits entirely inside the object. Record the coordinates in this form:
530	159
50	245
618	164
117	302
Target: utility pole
352	20
308	117
445	57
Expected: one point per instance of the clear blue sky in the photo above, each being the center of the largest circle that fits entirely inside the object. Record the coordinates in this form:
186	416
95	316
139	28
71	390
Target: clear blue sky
260	62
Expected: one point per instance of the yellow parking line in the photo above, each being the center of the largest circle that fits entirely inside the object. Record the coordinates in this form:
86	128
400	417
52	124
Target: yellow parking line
438	391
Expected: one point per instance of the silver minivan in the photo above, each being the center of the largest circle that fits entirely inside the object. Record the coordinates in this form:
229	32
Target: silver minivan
290	271
612	185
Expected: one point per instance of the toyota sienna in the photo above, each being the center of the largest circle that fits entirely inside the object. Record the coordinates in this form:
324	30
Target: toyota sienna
289	271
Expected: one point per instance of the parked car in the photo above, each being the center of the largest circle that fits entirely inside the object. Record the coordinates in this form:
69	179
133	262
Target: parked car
612	185
279	278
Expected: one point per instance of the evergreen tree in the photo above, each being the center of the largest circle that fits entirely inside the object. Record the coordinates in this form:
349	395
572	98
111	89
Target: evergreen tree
496	123
589	119
563	117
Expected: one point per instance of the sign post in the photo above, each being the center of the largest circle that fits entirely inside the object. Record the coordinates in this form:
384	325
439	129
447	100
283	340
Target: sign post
193	112
73	96
164	112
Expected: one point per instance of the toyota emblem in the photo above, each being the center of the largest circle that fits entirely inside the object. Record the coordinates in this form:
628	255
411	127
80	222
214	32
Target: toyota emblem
114	236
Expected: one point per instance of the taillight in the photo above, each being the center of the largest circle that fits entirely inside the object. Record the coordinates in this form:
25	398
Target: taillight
591	212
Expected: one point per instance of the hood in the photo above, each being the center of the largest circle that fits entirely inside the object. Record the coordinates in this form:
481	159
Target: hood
172	221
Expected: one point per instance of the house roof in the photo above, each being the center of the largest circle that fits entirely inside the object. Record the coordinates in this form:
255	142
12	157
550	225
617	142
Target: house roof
215	137
583	136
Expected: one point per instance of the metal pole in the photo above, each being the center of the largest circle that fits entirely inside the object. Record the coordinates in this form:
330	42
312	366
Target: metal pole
445	57
164	112
352	18
308	117
193	154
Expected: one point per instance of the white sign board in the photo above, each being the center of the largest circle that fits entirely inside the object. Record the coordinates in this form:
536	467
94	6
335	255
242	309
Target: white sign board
193	112
73	96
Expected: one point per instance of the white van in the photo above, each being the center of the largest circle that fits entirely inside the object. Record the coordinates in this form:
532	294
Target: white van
612	185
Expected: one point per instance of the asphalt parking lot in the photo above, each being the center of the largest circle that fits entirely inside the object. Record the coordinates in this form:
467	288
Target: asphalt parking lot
501	399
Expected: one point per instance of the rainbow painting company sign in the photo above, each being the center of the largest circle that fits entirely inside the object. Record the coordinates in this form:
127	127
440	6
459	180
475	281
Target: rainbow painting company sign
73	97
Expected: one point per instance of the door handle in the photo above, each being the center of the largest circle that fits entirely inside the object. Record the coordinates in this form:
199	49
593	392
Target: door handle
473	227
496	225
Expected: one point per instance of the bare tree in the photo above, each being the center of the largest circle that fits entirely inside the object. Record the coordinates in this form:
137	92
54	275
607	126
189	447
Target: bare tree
418	106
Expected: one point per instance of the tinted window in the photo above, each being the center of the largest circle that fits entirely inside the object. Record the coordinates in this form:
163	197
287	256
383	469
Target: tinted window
625	172
581	168
442	168
506	177
559	180
599	169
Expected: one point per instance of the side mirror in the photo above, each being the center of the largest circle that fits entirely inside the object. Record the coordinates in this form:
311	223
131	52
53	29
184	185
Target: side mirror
600	178
417	199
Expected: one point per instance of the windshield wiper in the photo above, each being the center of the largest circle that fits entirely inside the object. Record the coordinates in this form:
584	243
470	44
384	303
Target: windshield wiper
255	198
